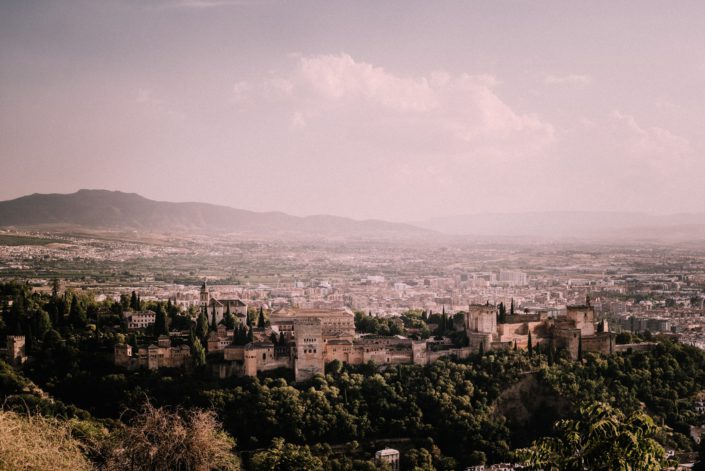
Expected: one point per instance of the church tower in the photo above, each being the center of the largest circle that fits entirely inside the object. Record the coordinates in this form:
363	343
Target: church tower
205	297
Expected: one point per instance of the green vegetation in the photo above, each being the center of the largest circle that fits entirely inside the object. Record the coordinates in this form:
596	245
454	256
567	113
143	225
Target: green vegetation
601	439
442	416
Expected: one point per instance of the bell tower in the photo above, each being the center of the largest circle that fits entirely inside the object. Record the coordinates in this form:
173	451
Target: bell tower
205	297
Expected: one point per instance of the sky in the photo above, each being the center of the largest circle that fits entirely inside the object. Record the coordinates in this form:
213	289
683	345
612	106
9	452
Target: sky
396	110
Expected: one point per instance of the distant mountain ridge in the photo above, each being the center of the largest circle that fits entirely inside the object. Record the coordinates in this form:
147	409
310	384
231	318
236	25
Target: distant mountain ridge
573	224
115	210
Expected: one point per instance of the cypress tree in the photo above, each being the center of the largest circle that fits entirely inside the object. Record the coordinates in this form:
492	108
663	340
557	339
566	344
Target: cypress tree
42	323
160	327
77	315
511	308
229	319
530	347
133	302
55	290
214	324
198	353
580	347
260	320
201	326
481	350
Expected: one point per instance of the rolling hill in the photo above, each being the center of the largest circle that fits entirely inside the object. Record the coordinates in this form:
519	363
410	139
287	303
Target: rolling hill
115	210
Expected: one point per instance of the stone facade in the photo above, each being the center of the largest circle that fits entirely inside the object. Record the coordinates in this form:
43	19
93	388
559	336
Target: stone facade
309	356
219	307
315	337
153	357
577	329
137	320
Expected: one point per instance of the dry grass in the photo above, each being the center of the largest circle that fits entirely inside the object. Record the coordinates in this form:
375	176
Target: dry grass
160	439
39	444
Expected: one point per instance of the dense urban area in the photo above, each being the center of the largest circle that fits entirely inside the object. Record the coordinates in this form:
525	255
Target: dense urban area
345	355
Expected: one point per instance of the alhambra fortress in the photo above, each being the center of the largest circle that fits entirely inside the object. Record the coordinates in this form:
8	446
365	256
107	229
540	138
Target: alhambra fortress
310	338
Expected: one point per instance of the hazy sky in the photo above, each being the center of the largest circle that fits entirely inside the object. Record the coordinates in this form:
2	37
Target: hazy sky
398	110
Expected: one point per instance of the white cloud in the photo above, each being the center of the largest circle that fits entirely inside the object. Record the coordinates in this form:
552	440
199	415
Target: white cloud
451	117
576	80
657	147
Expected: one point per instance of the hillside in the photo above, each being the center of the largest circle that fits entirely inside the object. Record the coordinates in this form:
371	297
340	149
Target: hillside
102	209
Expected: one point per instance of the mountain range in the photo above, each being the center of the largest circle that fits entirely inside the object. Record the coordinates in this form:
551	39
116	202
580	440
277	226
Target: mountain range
115	210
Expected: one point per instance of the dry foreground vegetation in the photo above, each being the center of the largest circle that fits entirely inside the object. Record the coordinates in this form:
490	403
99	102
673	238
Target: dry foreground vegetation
157	439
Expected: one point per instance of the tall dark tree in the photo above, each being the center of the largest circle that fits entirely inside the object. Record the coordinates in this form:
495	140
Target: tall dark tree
41	323
198	353
201	326
502	317
530	346
580	347
260	319
229	319
214	324
160	323
125	302
511	308
134	304
15	316
77	313
55	290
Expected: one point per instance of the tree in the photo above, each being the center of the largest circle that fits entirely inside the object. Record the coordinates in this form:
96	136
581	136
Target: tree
55	290
42	323
77	313
214	324
282	456
260	319
580	347
134	303
530	347
160	327
198	353
511	308
16	316
229	319
602	438
201	326
502	317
